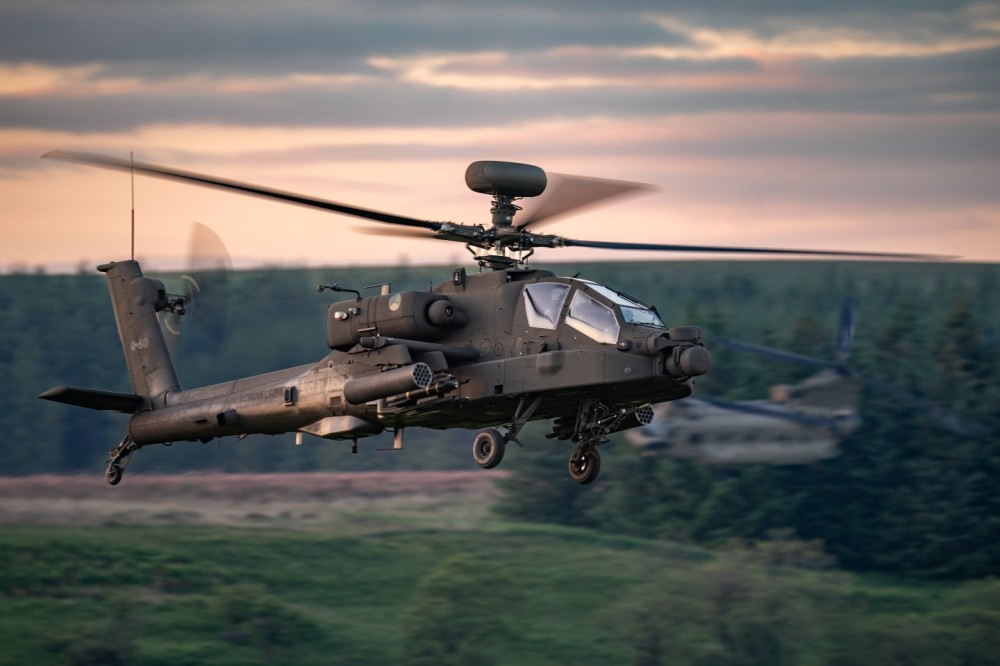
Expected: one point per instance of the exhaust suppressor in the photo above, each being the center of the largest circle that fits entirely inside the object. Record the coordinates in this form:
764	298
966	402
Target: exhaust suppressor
389	383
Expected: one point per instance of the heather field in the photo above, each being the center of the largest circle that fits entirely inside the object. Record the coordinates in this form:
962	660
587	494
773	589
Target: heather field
416	568
333	501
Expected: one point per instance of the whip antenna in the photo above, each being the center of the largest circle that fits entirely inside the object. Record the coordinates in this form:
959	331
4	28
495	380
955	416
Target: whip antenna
131	170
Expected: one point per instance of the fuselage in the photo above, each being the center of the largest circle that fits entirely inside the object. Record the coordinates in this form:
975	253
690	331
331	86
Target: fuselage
521	333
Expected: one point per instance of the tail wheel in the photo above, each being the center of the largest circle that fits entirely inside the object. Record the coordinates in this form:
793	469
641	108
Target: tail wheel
488	448
113	475
584	465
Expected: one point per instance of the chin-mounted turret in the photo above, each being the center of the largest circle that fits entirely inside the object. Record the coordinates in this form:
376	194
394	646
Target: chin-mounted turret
684	355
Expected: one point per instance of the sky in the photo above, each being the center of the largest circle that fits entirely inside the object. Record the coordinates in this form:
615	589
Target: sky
867	126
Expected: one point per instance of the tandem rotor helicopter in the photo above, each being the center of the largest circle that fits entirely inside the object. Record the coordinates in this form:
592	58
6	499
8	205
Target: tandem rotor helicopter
796	424
493	350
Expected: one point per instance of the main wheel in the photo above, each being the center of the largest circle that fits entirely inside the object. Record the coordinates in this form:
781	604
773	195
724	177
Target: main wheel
584	465
488	448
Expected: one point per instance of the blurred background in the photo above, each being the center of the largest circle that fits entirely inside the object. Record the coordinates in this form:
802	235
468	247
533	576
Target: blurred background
869	126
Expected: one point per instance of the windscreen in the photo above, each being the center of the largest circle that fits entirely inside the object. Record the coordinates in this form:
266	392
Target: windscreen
593	319
633	310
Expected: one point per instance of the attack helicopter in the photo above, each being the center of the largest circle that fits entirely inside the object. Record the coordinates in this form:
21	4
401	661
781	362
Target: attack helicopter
493	349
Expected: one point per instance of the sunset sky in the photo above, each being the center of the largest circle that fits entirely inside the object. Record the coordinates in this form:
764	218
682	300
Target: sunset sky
869	126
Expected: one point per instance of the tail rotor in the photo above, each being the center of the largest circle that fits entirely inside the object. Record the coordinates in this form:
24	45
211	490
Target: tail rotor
204	288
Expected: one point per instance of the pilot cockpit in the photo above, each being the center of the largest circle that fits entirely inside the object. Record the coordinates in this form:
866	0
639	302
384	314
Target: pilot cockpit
594	310
543	301
632	310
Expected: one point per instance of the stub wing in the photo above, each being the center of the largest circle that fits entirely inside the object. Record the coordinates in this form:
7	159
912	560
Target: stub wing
127	403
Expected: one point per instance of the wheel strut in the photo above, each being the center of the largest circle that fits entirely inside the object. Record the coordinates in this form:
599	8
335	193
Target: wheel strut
522	415
489	446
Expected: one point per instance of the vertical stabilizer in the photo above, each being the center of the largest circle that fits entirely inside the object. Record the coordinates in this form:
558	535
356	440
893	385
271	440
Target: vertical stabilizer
136	300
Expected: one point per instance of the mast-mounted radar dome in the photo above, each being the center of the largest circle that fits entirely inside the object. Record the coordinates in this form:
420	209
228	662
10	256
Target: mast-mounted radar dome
510	179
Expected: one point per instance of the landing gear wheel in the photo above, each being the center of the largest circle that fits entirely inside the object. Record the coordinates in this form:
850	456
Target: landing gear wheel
584	465
488	448
113	475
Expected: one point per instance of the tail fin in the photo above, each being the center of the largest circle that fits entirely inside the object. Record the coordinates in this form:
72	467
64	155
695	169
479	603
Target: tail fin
136	300
845	331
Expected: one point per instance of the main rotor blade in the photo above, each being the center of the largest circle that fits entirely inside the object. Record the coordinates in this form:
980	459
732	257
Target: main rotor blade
147	169
611	245
401	233
565	193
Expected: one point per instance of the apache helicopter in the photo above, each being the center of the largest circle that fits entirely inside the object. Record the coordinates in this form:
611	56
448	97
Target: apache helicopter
496	349
797	424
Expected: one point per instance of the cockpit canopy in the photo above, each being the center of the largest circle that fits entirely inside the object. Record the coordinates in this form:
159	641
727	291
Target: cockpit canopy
594	310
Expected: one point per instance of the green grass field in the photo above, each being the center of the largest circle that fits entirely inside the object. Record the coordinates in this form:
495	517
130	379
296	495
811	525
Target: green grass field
406	578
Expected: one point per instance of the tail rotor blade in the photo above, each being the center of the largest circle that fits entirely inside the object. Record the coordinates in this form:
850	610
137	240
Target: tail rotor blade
207	281
204	289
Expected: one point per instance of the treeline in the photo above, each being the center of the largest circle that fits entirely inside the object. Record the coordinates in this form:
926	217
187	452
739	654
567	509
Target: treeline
907	494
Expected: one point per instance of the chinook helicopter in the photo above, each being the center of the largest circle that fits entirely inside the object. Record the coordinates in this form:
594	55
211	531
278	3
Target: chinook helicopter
797	423
492	350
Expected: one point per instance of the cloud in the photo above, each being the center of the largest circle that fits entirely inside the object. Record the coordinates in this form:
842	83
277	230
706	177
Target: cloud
126	65
792	118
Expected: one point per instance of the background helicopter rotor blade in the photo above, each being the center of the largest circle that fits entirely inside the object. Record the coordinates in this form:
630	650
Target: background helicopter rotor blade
845	336
118	164
772	412
565	193
780	354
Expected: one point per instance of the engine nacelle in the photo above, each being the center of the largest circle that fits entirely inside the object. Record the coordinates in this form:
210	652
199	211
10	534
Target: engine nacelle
411	315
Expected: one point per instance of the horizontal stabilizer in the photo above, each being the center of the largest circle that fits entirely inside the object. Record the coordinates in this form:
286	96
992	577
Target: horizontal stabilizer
94	399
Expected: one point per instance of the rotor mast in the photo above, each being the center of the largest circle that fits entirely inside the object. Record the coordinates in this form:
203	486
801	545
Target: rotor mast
506	182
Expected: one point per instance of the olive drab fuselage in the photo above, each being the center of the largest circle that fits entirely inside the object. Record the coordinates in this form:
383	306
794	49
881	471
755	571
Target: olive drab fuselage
484	343
499	344
497	348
